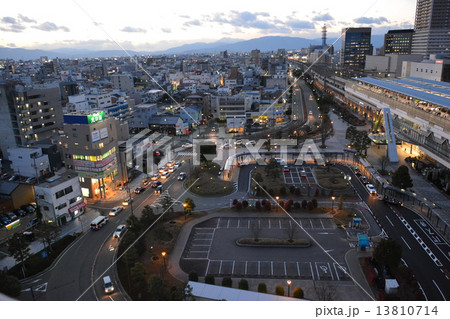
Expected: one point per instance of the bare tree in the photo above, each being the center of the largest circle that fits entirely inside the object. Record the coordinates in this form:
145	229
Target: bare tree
291	231
383	161
324	291
255	229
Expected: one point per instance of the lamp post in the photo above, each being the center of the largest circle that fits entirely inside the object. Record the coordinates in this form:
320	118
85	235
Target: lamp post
278	203
289	287
131	200
184	207
164	258
332	203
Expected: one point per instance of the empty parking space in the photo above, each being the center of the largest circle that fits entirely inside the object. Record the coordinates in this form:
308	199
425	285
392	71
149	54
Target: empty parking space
273	223
299	176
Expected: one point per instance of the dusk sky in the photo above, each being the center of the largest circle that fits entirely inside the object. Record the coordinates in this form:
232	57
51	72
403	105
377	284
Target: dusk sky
157	25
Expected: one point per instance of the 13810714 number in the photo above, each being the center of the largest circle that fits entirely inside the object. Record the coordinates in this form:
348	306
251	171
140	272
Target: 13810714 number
406	310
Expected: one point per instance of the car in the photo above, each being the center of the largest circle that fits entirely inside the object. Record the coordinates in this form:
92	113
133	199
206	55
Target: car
251	142
30	209
115	210
11	216
108	285
126	201
171	169
177	164
158	153
162	169
225	146
31	180
392	201
302	173
4	176
187	145
5	220
280	161
310	113
155	184
34	222
119	231
170	164
154	177
13	178
145	183
182	176
286	169
364	179
213	129
165	175
371	189
20	212
356	171
238	143
28	235
139	190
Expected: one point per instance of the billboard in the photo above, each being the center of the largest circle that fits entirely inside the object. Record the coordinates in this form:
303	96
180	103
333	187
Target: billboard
95	136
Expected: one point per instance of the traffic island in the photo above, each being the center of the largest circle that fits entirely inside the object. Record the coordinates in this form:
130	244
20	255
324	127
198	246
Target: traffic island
208	183
330	178
273	242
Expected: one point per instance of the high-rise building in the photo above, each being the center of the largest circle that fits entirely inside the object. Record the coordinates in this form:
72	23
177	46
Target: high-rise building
355	46
90	148
255	57
398	41
29	114
432	27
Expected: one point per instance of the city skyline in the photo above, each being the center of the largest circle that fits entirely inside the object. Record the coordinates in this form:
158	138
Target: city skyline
95	26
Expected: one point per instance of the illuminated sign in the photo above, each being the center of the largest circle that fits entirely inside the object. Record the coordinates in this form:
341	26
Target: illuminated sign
13	225
96	117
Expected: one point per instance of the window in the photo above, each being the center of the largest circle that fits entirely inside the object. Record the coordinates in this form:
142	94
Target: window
41	196
61	206
59	194
45	207
87	137
68	190
73	200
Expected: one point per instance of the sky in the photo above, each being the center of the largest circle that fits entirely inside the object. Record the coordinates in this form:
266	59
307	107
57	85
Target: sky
149	25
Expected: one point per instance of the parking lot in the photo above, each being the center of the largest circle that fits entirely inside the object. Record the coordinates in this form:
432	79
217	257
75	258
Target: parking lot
299	176
212	250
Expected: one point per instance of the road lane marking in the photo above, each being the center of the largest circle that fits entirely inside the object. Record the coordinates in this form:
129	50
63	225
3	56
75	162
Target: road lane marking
434	282
111	298
298	269
405	242
389	221
207	267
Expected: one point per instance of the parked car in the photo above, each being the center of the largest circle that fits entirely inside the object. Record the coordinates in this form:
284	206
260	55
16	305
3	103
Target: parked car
156	184
119	231
30	209
11	216
158	153
187	145
34	222
371	189
182	176
127	201
302	173
286	169
31	180
5	220
20	212
139	190
14	178
115	210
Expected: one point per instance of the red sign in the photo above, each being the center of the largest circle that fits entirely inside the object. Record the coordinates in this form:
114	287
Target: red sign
77	207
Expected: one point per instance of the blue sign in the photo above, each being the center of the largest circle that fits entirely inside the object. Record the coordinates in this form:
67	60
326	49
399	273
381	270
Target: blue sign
44	254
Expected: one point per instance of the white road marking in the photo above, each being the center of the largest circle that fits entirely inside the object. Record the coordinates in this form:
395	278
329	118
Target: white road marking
443	297
405	242
111	298
390	221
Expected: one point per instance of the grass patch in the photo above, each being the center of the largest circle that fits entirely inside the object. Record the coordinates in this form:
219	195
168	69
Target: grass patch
208	184
268	182
35	263
330	178
269	242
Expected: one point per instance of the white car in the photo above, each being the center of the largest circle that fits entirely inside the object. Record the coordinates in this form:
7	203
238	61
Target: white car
165	175
371	189
225	146
119	231
251	142
115	210
187	145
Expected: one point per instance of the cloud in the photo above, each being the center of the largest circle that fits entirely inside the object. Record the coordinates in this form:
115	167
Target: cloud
323	17
11	45
50	27
133	30
9	20
184	16
192	23
368	20
13	28
300	24
26	19
166	30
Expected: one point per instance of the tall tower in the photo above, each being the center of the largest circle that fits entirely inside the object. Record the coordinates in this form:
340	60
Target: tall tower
432	28
355	46
324	36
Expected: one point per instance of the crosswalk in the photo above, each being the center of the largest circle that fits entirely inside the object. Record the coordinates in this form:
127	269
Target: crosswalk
157	202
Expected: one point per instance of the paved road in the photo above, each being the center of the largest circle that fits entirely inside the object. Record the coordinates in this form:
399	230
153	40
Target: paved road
432	277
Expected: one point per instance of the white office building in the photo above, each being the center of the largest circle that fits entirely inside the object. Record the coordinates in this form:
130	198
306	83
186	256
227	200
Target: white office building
29	161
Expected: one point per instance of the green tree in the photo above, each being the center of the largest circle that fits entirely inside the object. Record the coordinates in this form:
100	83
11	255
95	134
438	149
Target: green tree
298	293
227	282
279	290
262	287
9	285
188	205
18	248
388	253
401	178
272	169
350	133
138	284
157	289
167	203
209	279
48	233
258	178
193	276
147	217
243	284
340	202
133	225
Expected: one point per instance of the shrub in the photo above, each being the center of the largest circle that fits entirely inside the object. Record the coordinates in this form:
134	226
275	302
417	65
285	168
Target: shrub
279	290
317	192
235	201
292	189
283	191
238	206
310	206
298	293
268	206
209	279
263	202
340	201
227	282
304	203
297	205
314	202
258	205
243	284
281	203
262	287
298	192
244	204
193	276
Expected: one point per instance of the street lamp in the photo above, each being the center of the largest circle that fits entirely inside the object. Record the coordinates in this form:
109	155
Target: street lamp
332	203
184	207
278	203
289	287
164	258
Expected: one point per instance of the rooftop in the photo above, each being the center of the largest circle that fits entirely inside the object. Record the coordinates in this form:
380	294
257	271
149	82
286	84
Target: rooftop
434	92
57	179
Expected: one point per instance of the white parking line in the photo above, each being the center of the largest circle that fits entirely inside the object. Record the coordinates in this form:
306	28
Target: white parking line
232	270
271	268
220	267
390	221
239	221
279	222
337	274
228	223
285	272
318	275
248	224
298	269
246	267
405	242
331	271
434	282
259	267
218	221
321	224
310	221
269	223
207	268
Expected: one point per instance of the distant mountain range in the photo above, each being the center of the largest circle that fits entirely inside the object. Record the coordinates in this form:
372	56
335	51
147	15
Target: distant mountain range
264	44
